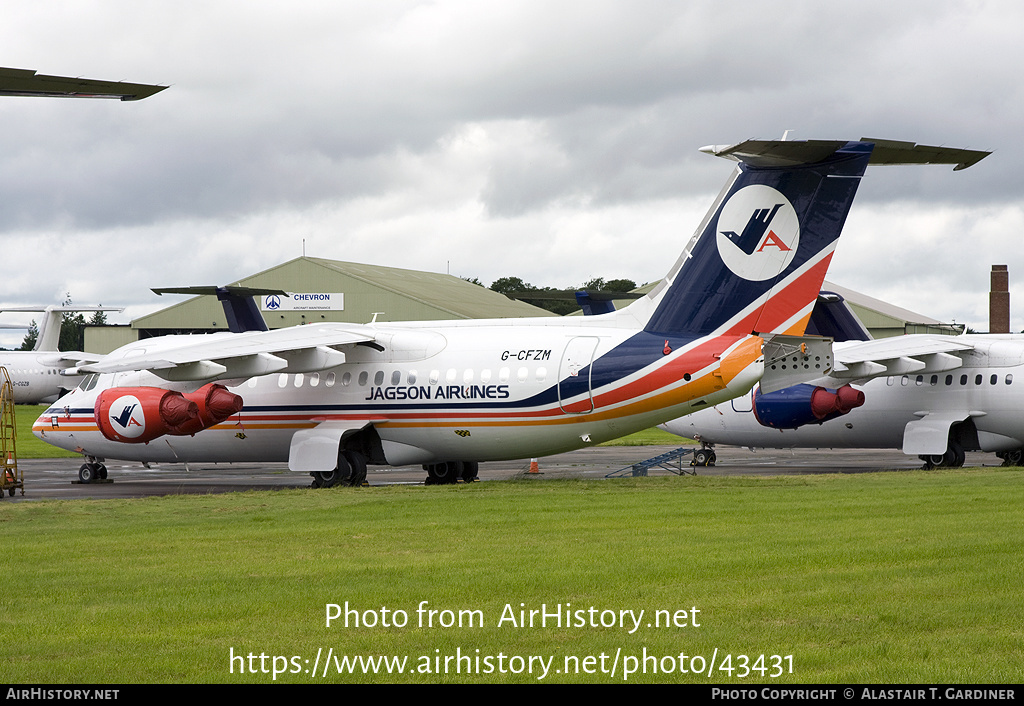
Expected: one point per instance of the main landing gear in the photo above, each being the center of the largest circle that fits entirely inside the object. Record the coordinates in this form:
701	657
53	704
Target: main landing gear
1012	459
953	458
450	472
350	471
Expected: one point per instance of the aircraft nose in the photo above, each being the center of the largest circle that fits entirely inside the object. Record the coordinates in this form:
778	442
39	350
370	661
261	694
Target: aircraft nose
47	422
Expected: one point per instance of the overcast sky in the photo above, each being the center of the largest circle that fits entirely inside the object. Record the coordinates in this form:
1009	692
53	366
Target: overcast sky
555	141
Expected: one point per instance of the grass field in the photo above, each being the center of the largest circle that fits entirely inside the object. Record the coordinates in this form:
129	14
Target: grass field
887	577
28	445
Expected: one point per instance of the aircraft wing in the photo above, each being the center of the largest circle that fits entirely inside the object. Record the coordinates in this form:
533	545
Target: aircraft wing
298	349
900	355
68	358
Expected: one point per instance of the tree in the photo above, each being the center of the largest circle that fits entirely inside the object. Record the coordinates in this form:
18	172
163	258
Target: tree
508	285
31	337
619	285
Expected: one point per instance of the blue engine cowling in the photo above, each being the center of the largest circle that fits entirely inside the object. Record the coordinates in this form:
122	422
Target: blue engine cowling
804	404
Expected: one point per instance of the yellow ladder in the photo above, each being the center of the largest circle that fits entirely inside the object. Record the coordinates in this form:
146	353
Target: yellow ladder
10	476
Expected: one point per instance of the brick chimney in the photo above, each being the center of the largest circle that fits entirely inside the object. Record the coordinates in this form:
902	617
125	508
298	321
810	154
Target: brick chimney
999	301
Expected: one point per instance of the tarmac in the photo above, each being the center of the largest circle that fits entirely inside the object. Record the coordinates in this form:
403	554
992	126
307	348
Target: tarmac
57	478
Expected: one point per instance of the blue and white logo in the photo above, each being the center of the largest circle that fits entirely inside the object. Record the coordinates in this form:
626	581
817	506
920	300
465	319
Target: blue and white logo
758	232
273	302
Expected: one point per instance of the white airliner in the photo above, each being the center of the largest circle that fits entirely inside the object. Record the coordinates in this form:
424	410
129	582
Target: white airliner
36	374
331	398
936	397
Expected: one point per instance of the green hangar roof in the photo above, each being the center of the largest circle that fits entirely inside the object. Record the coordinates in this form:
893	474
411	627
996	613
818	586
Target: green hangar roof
393	294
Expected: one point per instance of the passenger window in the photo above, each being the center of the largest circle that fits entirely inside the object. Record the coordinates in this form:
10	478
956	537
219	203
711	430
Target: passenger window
963	379
485	376
904	380
412	377
949	379
396	377
504	374
378	378
993	380
451	375
314	379
346	379
919	380
298	379
330	379
282	380
363	378
1009	379
934	380
435	375
467	377
890	380
977	379
522	374
542	373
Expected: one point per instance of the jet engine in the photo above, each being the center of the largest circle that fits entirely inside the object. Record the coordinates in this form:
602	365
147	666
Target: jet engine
137	415
804	404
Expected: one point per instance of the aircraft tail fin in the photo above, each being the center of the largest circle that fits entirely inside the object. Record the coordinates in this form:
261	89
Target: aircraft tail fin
834	318
49	330
240	307
758	259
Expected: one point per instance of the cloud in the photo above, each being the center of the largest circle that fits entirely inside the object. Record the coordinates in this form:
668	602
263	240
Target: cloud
541	140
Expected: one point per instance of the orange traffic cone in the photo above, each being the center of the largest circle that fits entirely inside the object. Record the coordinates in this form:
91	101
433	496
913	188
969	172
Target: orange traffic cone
534	468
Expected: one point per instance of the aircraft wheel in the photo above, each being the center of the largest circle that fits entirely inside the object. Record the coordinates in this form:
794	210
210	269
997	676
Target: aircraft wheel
1013	458
357	462
87	474
101	472
10	491
959	456
701	457
470	471
340	474
442	473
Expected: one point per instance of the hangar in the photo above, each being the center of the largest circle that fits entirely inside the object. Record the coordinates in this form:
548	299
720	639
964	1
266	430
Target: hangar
395	294
390	293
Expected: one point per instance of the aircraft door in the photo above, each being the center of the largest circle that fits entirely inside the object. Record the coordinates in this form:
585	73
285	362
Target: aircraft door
744	403
574	376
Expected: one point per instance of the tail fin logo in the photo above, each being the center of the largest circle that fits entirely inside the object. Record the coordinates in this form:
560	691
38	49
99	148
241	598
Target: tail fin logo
758	232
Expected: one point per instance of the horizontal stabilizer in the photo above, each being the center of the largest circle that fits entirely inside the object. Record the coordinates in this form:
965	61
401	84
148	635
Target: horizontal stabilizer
238	302
775	153
26	82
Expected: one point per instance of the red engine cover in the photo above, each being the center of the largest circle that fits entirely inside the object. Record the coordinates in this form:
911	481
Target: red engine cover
137	415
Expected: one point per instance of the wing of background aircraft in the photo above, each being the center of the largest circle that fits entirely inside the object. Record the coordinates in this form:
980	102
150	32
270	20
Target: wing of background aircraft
25	82
900	355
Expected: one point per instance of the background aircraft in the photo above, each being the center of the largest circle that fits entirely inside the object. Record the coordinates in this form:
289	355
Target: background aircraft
25	82
330	398
931	396
36	374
